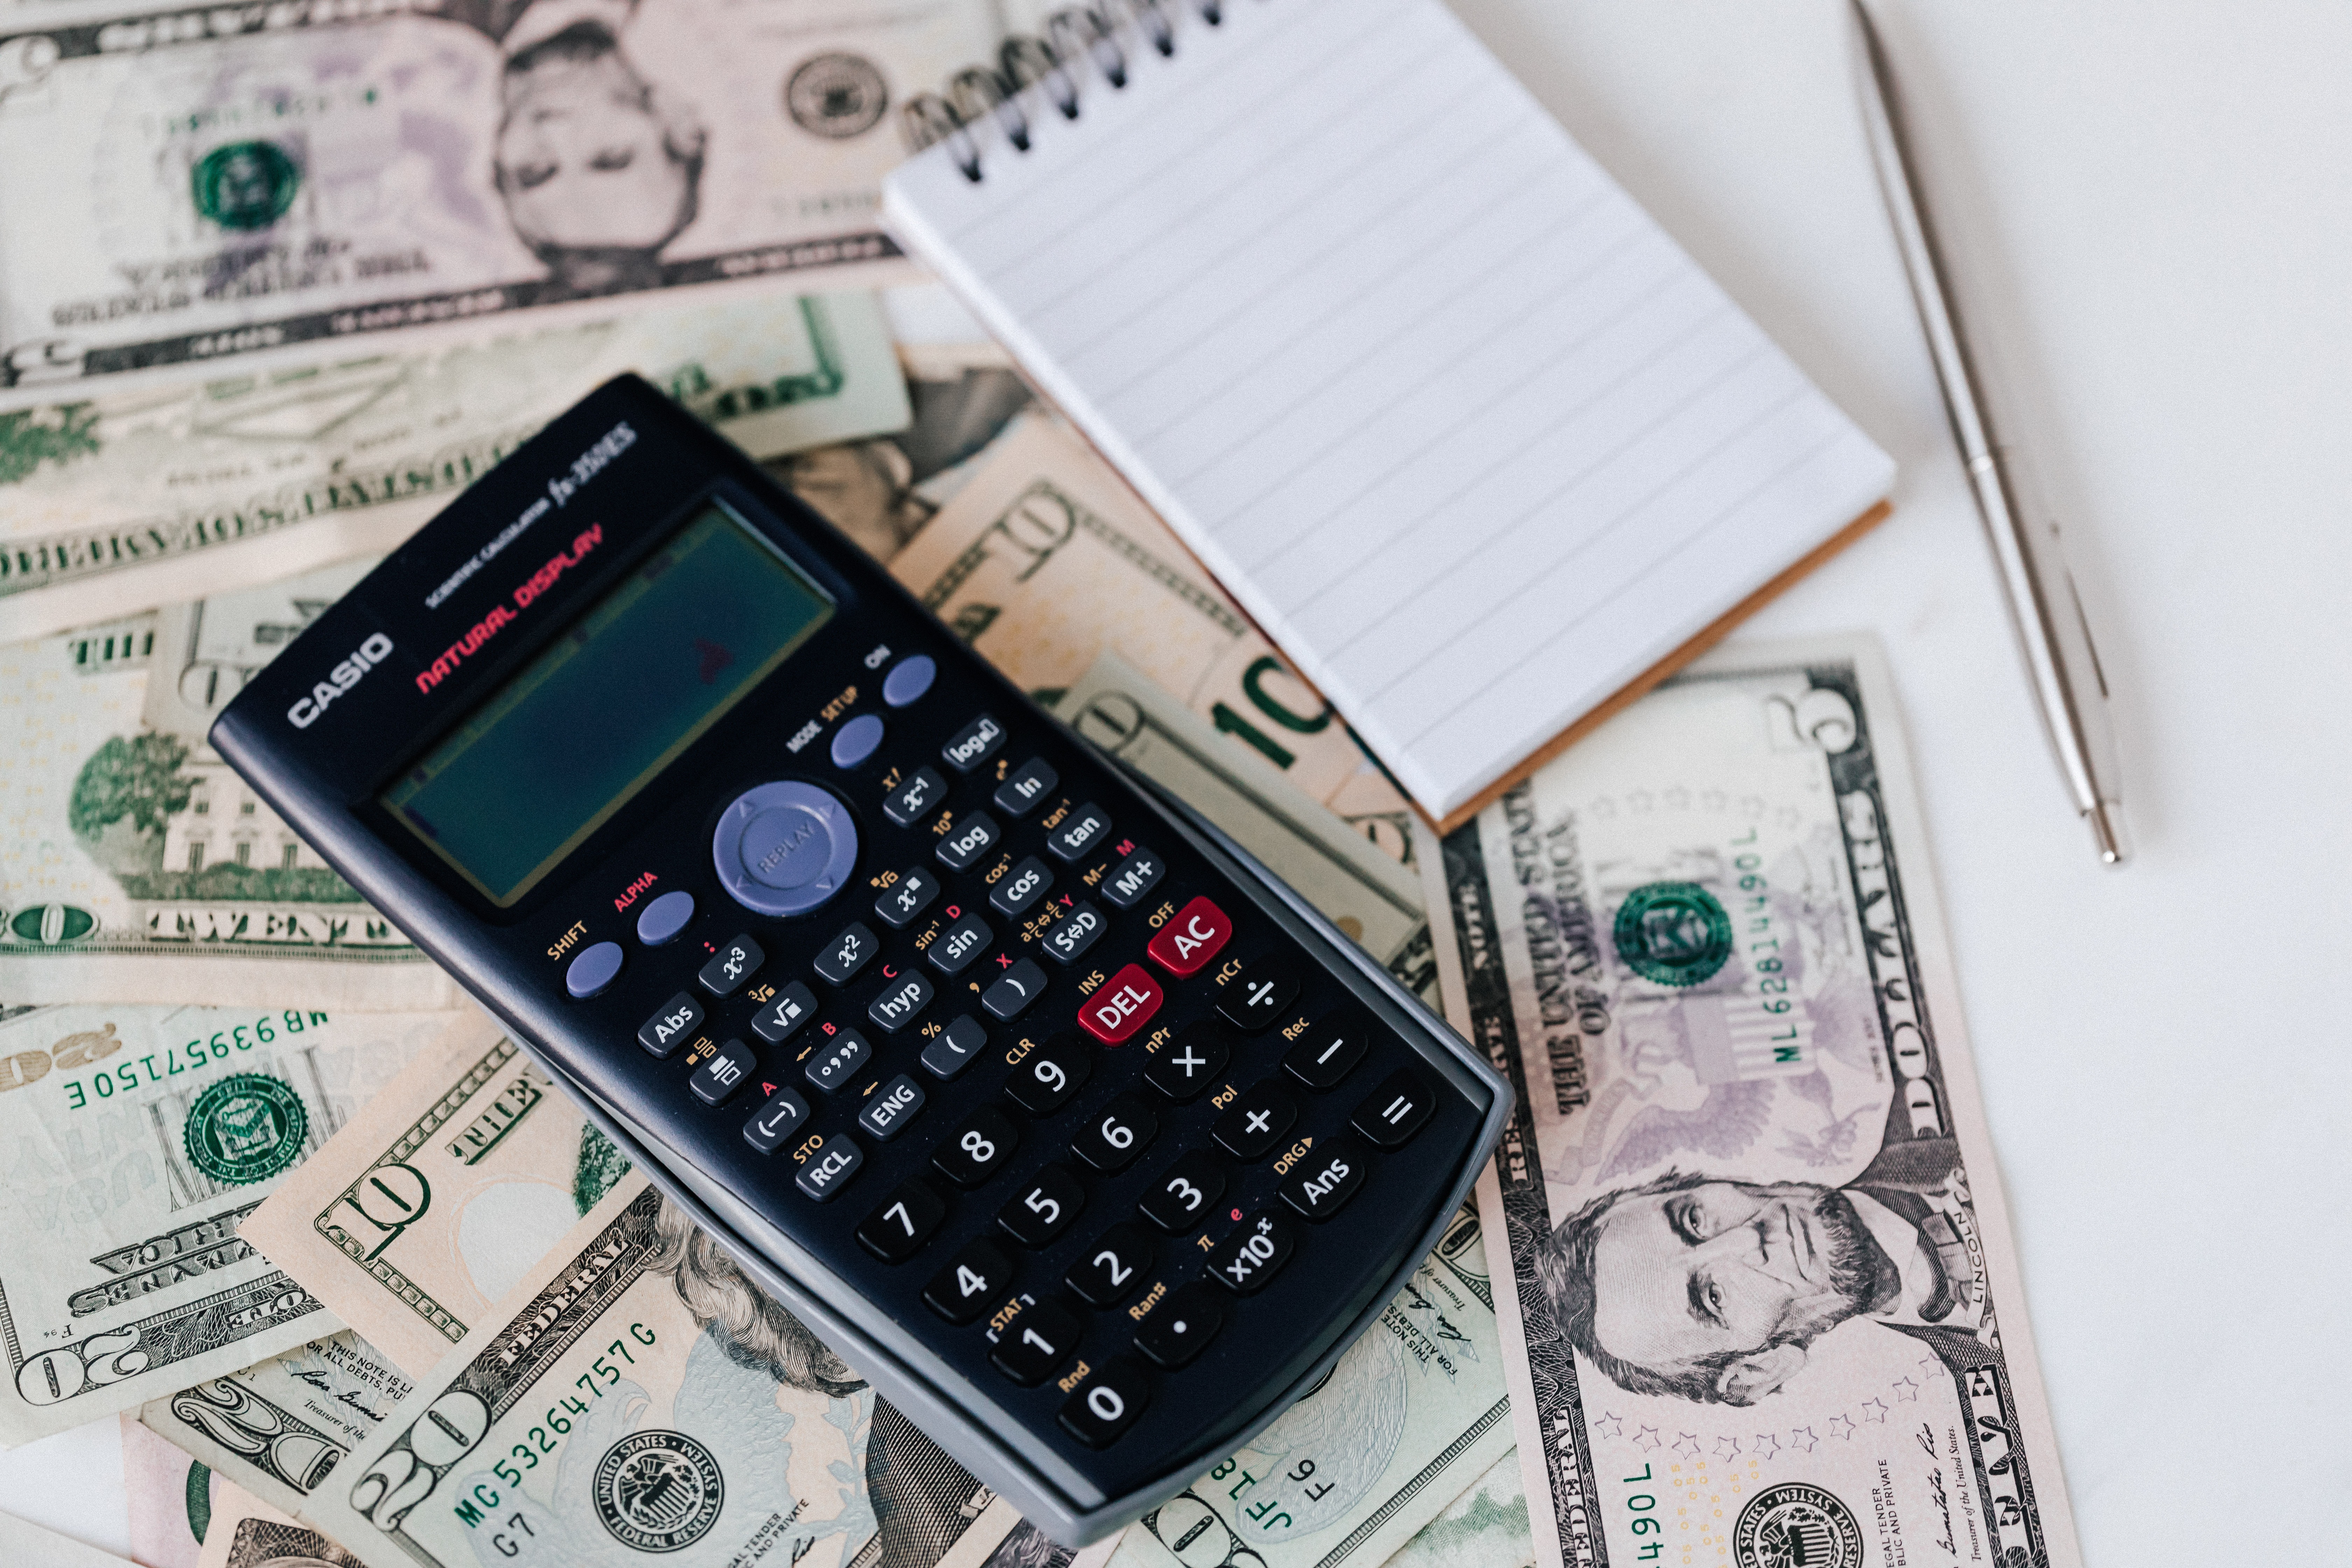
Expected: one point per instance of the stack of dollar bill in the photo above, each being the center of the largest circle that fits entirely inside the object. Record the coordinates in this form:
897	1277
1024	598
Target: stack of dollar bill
1739	1290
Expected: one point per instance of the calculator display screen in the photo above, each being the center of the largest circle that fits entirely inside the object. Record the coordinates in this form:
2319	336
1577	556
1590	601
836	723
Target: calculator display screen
549	756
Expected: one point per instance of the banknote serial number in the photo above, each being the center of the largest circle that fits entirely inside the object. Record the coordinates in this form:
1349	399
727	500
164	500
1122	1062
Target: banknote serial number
1764	949
1643	1506
602	1373
194	1056
1269	1511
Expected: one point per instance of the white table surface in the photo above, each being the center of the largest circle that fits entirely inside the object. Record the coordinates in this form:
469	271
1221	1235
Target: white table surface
2151	205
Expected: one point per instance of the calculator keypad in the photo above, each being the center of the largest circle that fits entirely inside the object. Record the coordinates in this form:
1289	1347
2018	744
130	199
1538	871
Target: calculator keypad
1144	1130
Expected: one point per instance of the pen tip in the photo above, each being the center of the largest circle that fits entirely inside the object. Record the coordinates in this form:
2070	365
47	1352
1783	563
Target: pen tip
2106	820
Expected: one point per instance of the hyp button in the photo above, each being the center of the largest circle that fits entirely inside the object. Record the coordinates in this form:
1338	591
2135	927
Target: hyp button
784	848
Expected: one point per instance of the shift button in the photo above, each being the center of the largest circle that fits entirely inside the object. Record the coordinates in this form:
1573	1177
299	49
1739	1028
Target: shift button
594	971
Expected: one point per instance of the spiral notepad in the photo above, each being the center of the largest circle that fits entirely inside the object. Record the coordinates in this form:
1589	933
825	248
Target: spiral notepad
1471	439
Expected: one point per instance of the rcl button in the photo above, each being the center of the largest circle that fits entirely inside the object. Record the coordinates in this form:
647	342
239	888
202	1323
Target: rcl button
1196	935
1113	1013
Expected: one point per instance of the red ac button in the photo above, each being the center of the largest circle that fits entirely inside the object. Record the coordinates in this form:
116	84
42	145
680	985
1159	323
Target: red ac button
1187	942
1123	1004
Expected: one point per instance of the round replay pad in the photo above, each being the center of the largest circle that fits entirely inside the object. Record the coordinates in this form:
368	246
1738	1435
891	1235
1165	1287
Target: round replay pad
909	679
784	848
666	917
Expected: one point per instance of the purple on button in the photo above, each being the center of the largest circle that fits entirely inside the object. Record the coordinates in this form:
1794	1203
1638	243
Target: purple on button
909	679
784	848
596	968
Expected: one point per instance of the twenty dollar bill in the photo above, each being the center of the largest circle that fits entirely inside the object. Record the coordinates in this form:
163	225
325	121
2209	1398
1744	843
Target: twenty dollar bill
1760	1301
635	1395
138	1138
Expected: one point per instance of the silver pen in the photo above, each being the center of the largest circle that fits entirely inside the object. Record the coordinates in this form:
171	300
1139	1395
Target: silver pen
2044	607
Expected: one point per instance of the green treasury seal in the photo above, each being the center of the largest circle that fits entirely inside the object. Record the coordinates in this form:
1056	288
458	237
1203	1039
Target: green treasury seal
245	185
659	1490
1675	933
245	1127
1794	1525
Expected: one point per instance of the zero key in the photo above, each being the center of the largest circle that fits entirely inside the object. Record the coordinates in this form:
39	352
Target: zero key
1107	1405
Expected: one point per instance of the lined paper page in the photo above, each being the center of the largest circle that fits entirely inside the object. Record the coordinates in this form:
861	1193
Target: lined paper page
1459	425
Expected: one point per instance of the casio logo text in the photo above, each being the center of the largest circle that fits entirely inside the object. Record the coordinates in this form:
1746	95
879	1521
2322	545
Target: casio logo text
346	674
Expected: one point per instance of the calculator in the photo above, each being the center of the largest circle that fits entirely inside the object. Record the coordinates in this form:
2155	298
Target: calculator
1075	1133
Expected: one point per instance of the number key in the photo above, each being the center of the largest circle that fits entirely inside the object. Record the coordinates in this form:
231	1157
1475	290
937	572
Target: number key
973	1278
1185	1194
903	1222
1107	1405
1112	1267
977	1150
850	949
1050	1074
1046	1209
1116	1134
1039	1338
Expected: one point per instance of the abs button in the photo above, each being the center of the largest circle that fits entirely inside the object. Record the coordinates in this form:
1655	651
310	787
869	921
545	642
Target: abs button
784	848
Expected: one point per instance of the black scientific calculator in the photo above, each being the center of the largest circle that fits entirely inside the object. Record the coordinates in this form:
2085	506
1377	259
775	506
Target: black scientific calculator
1061	1120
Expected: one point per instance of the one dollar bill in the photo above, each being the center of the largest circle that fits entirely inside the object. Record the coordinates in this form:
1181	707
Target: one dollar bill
1761	1304
200	186
140	1137
135	498
635	1395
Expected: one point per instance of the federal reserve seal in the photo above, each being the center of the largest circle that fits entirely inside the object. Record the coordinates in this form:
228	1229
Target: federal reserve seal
836	95
245	185
1675	933
1794	1525
659	1490
245	1129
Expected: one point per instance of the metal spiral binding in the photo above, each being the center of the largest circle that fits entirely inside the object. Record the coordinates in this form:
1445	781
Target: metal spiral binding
1075	35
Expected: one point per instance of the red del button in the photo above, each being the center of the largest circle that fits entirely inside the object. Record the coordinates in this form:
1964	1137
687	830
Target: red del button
1122	1007
1191	939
